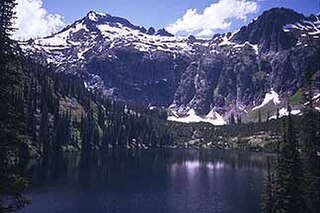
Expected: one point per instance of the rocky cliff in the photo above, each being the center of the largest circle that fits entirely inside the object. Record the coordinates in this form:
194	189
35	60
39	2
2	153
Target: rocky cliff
255	69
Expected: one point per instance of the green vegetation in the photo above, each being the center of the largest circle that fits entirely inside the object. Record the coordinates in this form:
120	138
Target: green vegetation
43	112
293	185
62	114
12	185
262	136
297	98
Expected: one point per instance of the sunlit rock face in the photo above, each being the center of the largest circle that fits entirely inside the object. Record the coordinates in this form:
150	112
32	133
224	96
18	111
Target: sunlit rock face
230	73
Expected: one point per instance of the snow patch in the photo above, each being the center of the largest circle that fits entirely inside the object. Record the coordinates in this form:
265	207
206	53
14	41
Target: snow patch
152	107
284	112
270	96
212	117
316	96
215	118
93	16
225	41
254	46
312	28
120	35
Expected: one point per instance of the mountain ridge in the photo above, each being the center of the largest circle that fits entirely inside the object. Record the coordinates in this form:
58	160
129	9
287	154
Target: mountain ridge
229	73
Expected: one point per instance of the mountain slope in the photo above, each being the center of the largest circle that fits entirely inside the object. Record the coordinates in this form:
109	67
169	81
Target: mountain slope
229	74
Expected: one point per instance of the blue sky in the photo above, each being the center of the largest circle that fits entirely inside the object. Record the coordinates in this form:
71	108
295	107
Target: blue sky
161	13
158	13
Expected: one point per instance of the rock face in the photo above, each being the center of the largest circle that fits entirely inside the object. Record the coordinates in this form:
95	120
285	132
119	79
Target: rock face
267	30
230	73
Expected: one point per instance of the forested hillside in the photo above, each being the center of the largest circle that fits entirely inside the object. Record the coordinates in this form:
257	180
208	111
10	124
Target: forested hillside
68	100
43	112
238	73
62	114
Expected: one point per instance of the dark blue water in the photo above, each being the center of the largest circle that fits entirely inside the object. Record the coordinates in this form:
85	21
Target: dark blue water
148	181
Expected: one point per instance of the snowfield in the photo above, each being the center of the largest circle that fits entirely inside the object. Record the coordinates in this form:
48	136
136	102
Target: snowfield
212	117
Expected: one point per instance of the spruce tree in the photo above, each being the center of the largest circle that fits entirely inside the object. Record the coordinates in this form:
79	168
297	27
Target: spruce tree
44	131
278	113
11	122
7	15
310	142
259	117
232	119
289	174
268	191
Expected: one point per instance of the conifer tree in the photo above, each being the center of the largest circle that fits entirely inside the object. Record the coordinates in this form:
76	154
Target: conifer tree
239	119
232	119
289	174
7	15
44	131
259	117
310	146
268	191
11	122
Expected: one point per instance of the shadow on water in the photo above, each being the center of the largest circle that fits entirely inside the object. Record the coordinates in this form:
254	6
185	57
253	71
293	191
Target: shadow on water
147	181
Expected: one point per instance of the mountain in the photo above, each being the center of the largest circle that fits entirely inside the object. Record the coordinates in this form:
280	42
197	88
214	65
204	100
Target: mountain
267	30
59	113
209	80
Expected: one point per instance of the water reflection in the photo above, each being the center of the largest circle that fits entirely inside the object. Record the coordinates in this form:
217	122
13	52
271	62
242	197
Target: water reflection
148	181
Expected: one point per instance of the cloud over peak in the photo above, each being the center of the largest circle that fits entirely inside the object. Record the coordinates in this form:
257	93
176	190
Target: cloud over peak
34	21
217	16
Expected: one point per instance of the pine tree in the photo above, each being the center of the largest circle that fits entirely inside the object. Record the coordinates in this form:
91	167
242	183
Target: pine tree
268	191
7	15
11	122
310	146
30	110
101	116
239	119
44	131
278	113
289	174
267	121
232	119
259	117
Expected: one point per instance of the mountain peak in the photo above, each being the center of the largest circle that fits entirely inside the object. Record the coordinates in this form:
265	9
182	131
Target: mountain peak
163	32
97	18
281	16
94	16
227	75
281	11
267	32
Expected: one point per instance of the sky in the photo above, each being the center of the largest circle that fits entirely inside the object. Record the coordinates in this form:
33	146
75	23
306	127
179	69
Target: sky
202	18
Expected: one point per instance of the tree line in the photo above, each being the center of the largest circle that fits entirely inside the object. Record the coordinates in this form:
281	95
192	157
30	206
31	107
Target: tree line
44	112
293	184
61	112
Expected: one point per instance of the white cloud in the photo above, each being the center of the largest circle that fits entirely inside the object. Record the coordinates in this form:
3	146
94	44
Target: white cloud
217	16
35	21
